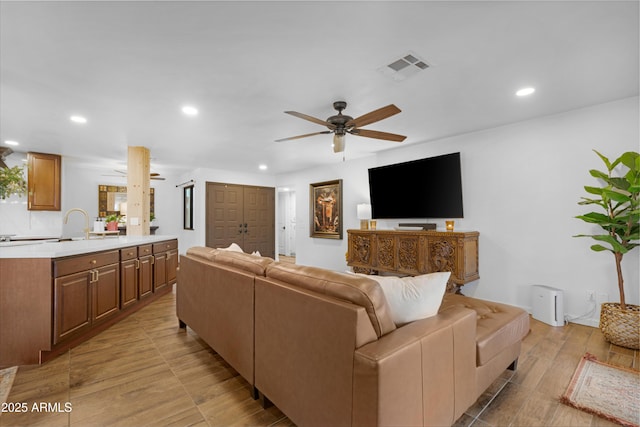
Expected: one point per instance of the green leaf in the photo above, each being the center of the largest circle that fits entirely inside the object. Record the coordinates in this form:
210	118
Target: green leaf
630	160
593	190
597	174
599	248
594	217
604	159
620	183
616	196
615	245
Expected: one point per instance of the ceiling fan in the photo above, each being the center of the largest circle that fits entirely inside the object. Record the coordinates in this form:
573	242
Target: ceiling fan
339	125
152	175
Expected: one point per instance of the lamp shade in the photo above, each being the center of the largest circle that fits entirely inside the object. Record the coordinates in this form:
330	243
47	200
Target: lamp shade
338	143
364	211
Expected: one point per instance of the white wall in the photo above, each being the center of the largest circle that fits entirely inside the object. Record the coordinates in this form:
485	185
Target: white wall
521	185
328	253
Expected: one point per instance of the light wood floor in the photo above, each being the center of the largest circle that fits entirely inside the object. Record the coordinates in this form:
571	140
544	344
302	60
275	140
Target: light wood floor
145	371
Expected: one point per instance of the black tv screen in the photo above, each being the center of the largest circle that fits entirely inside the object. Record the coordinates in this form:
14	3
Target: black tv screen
425	188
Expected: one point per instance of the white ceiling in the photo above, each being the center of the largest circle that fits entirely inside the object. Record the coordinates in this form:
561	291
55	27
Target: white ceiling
129	67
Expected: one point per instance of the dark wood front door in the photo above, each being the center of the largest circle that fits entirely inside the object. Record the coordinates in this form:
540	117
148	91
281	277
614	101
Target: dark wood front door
241	214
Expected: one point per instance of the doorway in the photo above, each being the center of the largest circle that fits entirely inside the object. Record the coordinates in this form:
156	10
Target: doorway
286	224
241	214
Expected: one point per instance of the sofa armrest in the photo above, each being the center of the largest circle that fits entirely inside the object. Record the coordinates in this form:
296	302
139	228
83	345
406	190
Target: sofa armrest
420	374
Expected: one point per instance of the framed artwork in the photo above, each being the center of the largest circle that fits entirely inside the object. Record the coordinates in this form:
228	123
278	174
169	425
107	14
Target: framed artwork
325	199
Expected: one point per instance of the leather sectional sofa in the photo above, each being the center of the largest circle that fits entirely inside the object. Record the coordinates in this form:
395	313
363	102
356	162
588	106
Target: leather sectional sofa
322	345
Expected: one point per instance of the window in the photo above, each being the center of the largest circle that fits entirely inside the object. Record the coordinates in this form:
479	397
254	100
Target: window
188	207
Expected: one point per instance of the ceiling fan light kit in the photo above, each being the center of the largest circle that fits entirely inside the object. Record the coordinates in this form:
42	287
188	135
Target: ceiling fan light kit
341	124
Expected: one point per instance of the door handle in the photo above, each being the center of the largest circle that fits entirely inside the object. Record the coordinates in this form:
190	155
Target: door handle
95	275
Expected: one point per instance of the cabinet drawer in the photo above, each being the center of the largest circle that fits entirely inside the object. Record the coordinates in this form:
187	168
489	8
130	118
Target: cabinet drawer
64	266
144	250
128	253
165	246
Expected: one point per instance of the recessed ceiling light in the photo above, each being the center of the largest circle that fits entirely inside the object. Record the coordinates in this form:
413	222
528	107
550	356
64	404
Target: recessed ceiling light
78	119
262	167
525	91
189	110
11	143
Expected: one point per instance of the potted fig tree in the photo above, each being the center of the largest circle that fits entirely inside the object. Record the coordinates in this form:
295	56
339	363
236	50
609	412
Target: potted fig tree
618	214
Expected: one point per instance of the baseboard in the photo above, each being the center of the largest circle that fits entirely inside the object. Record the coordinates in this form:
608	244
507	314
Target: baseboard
586	322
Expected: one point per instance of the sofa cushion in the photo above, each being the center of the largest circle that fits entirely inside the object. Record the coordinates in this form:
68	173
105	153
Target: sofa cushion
234	247
499	325
202	252
353	288
413	297
251	263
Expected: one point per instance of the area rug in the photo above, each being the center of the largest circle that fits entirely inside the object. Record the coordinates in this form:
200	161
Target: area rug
6	381
605	390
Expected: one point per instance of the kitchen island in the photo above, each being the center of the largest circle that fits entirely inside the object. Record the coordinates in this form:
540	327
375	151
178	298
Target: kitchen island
57	294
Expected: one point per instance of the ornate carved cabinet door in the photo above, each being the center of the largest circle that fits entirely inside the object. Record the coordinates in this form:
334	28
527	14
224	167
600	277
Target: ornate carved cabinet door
361	248
408	254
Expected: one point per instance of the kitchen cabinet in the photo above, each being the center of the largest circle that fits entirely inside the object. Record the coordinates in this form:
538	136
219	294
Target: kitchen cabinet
145	272
54	296
165	266
43	182
129	283
86	292
136	277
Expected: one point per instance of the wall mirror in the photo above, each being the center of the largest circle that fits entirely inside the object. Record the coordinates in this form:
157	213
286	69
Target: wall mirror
112	197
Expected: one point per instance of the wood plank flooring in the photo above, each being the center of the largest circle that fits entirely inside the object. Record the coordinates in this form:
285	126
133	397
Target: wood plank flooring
144	371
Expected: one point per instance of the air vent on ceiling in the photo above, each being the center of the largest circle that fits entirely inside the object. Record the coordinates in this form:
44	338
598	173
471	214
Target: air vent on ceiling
403	67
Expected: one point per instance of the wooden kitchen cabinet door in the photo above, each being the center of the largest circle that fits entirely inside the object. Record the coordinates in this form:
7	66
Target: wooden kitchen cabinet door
43	182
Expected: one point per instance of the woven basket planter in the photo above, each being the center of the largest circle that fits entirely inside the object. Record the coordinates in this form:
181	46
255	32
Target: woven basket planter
621	327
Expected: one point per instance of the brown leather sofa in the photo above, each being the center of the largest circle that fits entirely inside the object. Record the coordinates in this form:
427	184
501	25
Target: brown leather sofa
215	298
325	349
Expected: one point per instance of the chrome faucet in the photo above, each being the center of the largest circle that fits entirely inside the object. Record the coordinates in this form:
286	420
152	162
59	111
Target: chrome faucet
86	220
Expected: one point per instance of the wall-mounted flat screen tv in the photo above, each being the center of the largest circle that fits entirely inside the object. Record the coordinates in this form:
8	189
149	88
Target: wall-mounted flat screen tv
425	188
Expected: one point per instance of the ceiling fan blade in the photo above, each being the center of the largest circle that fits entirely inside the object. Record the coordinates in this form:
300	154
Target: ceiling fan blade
379	135
311	119
159	178
303	136
374	116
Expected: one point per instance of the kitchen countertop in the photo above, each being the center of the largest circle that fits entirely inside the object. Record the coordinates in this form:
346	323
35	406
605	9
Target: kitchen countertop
56	249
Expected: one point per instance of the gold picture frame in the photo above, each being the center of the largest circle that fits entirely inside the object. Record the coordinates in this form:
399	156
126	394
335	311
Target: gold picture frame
109	194
325	209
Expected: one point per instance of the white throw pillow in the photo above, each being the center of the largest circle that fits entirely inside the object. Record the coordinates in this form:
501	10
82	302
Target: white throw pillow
413	298
234	247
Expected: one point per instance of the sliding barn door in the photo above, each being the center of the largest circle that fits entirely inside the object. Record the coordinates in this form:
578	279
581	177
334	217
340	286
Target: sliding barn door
241	214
